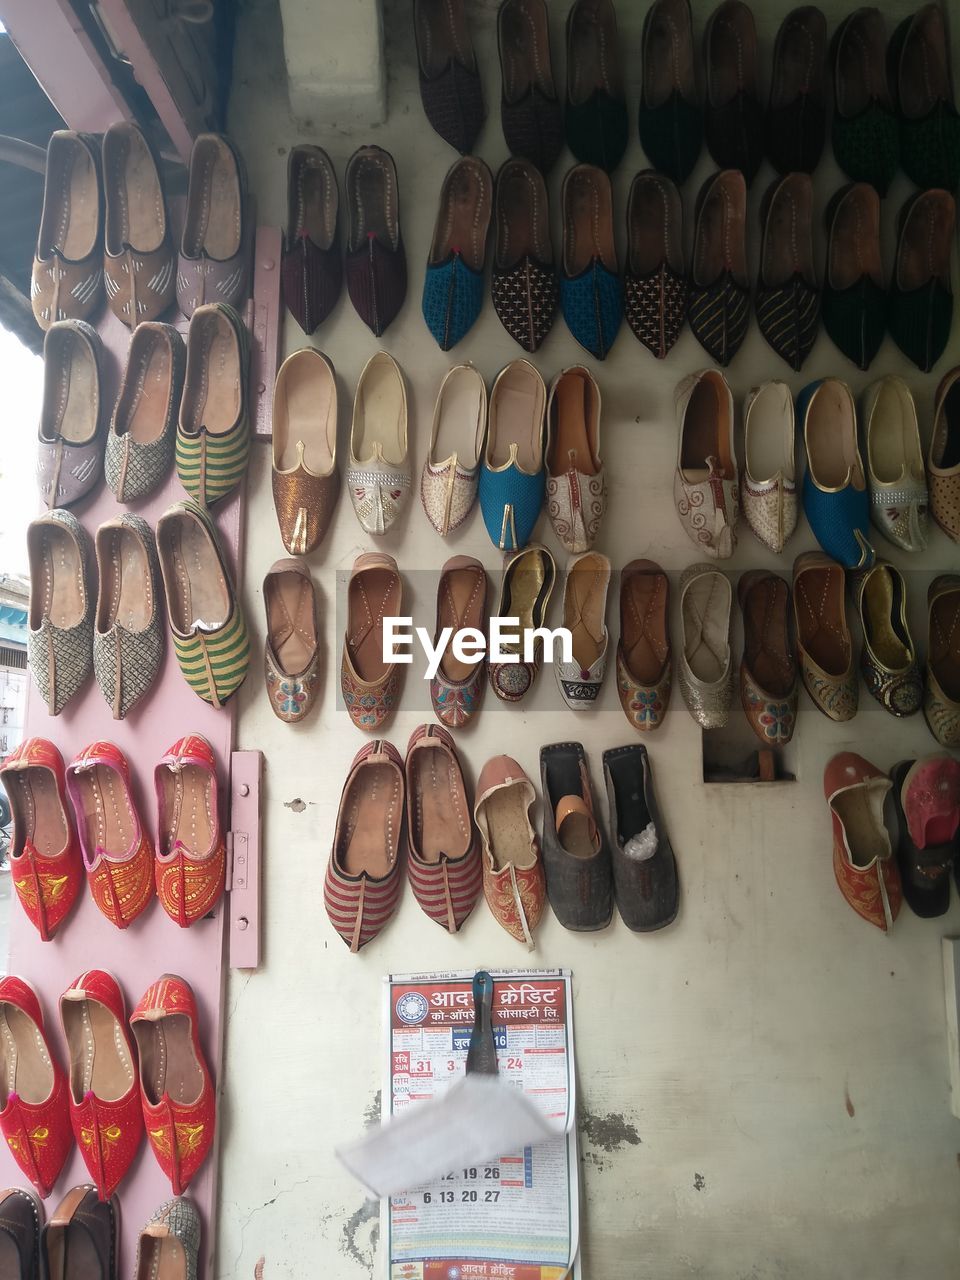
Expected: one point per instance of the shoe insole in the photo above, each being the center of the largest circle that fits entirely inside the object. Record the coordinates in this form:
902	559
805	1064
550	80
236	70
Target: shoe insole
200	598
100	1061
924	75
441	823
305	412
125	594
563	778
187	814
720	238
732	57
443	36
149	388
923	251
372	596
706	431
788	234
798	60
460	425
643	632
861	71
632	814
592	35
105	813
854	248
72	202
517	418
820	617
212	397
168	1064
71	392
860	810
465	216
25	1066
523	593
315	202
950	451
944	655
831	437
706	622
894	442
291	625
570	444
38	815
584	600
375	202
525	49
135	213
654	223
378	415
214	203
769	442
882	600
576	834
766	648
71	1252
522	215
668	52
161	1258
59	589
370	828
461	604
588	220
508	834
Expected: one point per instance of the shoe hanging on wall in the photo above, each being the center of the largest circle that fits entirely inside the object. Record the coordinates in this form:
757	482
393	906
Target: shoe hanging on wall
941	699
591	291
768	485
143	429
863	860
378	468
512	475
451	469
920	299
67	278
306	481
116	849
370	686
926	796
733	120
513	879
596	114
796	119
169	1244
788	293
918	65
138	254
213	432
943	460
453	284
576	486
216	246
888	659
585	590
576	857
899	498
292	650
525	589
62	598
376	265
718	306
705	485
824	644
450	88
705	670
530	112
769	689
191	845
312	269
456	691
670	116
644	655
82	1237
71	436
645	880
655	279
866	137
524	282
854	302
835	498
128	636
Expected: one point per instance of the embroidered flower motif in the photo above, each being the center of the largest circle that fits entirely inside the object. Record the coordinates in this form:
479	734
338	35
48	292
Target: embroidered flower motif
646	706
290	696
776	719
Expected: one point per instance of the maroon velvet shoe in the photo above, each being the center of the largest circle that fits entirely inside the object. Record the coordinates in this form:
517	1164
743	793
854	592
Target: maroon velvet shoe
312	266
376	263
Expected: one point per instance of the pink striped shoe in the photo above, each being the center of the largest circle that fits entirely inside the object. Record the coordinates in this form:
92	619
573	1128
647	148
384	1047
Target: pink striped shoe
362	884
443	860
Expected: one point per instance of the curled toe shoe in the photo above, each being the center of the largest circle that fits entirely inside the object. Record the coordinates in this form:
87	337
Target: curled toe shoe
591	292
863	860
453	284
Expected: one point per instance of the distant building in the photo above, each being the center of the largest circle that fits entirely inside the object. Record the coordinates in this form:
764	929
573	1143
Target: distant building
14	602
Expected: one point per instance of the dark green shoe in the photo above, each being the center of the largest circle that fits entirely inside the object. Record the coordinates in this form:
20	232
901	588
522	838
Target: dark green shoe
918	65
866	135
596	116
671	120
854	302
920	305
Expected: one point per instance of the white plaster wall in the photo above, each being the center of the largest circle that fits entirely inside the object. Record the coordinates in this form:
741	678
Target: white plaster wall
764	1085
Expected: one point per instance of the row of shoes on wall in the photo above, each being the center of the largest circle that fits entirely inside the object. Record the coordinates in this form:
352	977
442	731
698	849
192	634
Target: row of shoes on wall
895	490
81	1239
84	819
920	801
116	1084
105	229
893	102
451	849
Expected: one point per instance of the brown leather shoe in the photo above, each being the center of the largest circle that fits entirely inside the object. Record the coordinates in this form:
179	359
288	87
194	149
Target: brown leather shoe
457	689
70	448
732	116
21	1215
854	296
644	664
67	282
312	265
216	247
371	687
450	88
824	645
80	1241
138	257
941	700
920	305
306	482
788	294
943	460
375	261
524	284
292	651
655	280
719	304
768	668
530	111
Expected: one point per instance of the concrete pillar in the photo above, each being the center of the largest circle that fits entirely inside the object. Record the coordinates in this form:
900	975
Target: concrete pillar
336	71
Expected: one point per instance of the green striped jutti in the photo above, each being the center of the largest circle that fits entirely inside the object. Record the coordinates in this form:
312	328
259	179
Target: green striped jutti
213	433
209	633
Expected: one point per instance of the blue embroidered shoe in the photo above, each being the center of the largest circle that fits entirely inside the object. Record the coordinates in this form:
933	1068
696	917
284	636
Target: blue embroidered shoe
591	292
453	285
835	497
513	478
